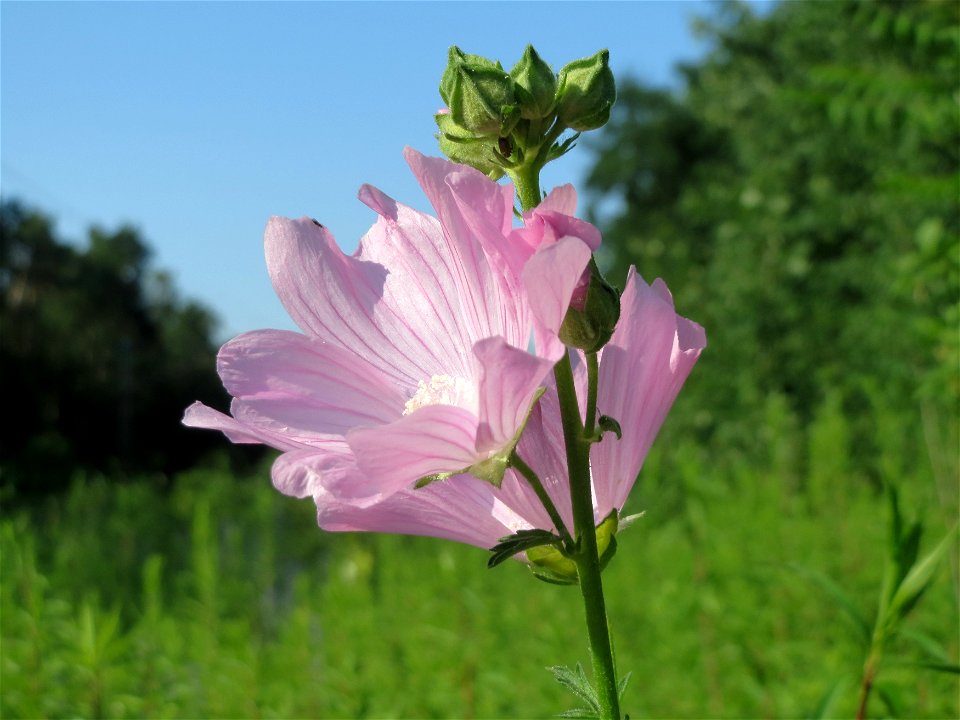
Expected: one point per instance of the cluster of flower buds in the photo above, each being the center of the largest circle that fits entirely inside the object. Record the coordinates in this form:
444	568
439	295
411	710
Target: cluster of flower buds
500	122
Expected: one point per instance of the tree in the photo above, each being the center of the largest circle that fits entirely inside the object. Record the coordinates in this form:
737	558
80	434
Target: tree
800	197
99	357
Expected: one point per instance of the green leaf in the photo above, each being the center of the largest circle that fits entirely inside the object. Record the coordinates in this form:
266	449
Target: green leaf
622	685
578	713
576	682
920	576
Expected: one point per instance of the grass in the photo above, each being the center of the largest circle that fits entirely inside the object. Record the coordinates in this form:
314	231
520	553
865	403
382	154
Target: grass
217	597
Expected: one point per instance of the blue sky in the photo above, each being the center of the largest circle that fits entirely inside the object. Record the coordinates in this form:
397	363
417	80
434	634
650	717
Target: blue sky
197	121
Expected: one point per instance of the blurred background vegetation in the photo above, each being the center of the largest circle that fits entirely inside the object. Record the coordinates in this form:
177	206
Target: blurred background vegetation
800	196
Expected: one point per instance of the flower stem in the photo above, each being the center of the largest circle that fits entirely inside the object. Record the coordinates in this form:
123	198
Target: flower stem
586	556
593	372
532	478
526	179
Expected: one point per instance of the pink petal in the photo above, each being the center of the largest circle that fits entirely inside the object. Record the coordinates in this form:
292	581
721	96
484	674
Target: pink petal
305	386
509	378
461	508
433	439
562	199
541	447
306	473
549	279
396	303
199	415
642	369
475	213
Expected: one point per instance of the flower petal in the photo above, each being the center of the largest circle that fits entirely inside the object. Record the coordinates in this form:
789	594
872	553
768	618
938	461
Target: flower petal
461	508
508	381
562	199
306	473
476	216
306	386
391	316
549	279
434	439
642	369
199	415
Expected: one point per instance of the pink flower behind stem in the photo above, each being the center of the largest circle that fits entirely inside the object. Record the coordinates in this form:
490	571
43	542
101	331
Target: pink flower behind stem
642	369
414	357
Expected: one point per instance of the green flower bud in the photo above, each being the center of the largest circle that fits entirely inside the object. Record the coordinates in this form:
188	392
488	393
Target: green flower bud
480	94
586	91
463	147
535	85
552	565
593	313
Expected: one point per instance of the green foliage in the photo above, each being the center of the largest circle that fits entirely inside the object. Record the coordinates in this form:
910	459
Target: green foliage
800	197
99	356
219	597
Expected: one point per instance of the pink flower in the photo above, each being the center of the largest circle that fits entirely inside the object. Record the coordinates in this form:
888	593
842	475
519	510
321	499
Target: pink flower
414	358
642	369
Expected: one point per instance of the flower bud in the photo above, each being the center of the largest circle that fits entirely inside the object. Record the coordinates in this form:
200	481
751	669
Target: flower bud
586	91
480	94
535	85
463	147
593	312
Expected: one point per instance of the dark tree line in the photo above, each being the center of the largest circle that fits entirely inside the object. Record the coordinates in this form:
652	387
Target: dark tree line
98	358
800	195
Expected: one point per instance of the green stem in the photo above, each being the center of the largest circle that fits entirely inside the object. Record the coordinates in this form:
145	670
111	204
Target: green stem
586	556
526	179
866	684
532	478
593	371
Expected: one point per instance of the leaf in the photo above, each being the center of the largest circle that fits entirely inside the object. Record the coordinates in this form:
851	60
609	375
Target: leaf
578	713
519	542
622	685
920	576
928	645
576	682
843	600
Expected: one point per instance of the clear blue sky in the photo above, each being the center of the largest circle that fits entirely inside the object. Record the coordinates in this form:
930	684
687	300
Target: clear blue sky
197	121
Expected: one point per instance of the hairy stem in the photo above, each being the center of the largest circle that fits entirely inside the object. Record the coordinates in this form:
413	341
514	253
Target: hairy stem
586	556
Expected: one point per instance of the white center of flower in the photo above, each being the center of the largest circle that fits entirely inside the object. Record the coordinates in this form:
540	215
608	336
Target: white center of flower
443	390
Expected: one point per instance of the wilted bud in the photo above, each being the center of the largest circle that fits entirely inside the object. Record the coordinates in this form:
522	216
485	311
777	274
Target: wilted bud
535	85
462	147
593	313
586	91
480	94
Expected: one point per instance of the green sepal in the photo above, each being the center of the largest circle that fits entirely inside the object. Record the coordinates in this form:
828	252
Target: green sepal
559	149
520	541
462	146
428	479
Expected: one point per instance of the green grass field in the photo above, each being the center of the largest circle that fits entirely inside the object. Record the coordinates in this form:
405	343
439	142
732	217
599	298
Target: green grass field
217	597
